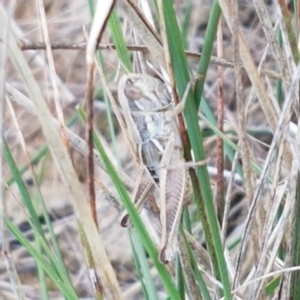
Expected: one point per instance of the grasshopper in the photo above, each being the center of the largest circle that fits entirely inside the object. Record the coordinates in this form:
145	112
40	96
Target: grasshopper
150	116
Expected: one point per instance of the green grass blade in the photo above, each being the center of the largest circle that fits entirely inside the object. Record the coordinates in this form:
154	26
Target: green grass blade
146	277
137	265
295	276
34	218
186	22
272	285
23	190
34	160
119	41
91	5
63	286
53	240
209	39
182	79
42	276
279	87
179	278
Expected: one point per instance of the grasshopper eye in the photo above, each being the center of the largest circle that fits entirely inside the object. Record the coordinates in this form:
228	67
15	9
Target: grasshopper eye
132	92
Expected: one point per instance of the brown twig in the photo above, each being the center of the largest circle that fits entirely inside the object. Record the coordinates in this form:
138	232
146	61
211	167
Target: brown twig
24	45
106	284
220	113
90	160
90	111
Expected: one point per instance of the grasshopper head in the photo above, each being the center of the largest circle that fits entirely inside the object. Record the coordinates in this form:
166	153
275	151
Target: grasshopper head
148	93
133	90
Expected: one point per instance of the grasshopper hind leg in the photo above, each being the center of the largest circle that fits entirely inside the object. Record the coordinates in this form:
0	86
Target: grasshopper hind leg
173	184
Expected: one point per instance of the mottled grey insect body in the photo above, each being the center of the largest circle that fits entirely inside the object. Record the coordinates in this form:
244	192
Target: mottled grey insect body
146	104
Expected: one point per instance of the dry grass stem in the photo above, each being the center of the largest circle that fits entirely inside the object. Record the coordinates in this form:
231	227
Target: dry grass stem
249	65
